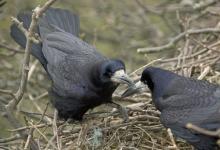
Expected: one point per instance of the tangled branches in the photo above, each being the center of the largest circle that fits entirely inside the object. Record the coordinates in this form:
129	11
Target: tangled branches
9	108
196	55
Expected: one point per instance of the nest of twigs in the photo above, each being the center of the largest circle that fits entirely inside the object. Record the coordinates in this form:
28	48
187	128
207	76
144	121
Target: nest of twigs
196	57
106	130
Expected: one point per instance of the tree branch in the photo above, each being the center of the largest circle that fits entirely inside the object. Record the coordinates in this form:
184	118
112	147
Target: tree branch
176	39
10	48
12	138
203	131
30	35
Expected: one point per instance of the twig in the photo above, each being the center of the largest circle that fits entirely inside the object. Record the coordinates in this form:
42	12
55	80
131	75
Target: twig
204	73
204	4
10	48
30	135
203	131
40	96
32	129
141	68
39	109
38	11
173	8
35	116
153	141
205	46
8	92
10	107
55	131
24	31
52	144
43	114
148	9
176	39
192	55
174	146
33	67
13	138
28	127
82	135
196	63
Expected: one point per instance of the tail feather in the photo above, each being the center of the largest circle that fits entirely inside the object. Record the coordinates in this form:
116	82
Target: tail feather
60	18
20	38
53	20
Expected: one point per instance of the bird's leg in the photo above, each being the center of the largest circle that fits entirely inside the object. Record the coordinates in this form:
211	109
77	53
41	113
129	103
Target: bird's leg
122	110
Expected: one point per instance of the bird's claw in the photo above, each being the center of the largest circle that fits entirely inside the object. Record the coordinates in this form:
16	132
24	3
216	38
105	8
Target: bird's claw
122	110
124	113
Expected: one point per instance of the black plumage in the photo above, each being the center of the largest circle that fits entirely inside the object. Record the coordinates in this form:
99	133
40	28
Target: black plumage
183	100
81	77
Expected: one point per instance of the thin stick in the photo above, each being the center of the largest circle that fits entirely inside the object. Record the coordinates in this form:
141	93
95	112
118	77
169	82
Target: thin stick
10	48
10	107
33	67
174	146
176	39
55	130
30	135
150	63
203	131
12	138
8	92
204	73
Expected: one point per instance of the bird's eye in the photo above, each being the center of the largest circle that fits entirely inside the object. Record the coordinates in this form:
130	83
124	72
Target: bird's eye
145	81
108	73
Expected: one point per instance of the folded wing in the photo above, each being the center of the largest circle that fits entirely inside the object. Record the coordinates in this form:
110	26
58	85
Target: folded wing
69	62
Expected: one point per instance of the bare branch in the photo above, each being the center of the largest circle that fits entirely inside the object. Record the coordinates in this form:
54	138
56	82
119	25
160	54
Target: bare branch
204	4
174	146
176	39
13	138
35	16
25	32
203	131
30	135
8	92
10	48
10	107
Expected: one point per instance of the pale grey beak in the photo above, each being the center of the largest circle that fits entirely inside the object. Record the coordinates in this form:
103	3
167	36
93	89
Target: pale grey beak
121	77
139	87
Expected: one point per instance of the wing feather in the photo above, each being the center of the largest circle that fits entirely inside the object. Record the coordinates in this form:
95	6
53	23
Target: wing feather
70	61
189	86
183	109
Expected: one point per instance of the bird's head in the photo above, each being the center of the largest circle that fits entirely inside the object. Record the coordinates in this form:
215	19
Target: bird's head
114	71
141	86
155	79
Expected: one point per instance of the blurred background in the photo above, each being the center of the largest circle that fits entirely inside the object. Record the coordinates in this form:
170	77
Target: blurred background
117	28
